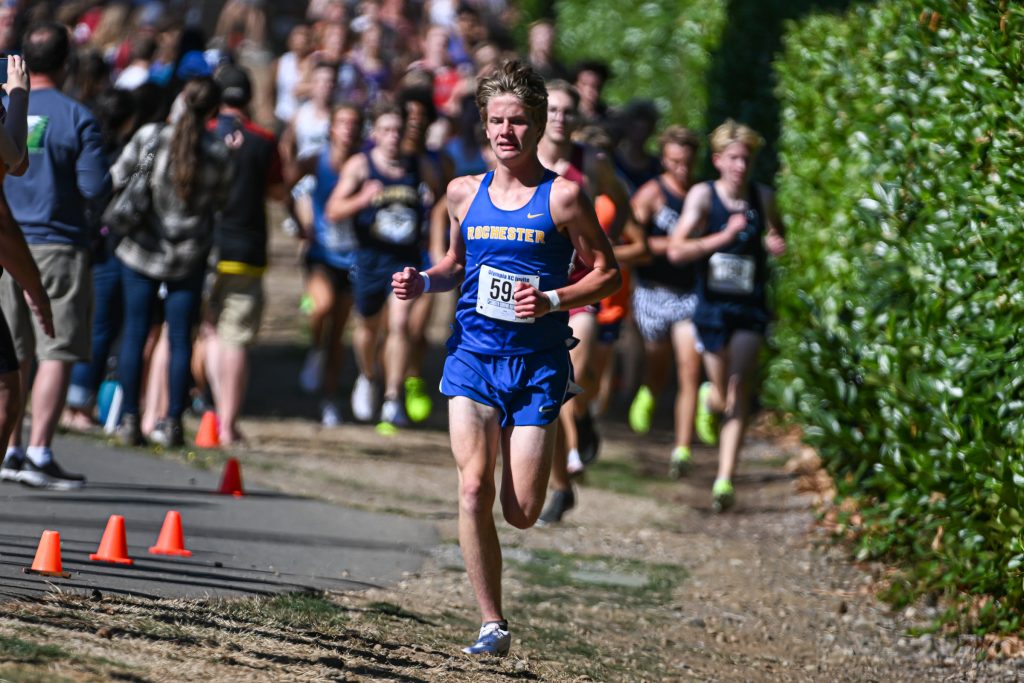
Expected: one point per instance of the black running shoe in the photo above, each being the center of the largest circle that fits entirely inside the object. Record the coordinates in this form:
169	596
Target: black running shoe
588	441
562	500
168	433
11	467
50	476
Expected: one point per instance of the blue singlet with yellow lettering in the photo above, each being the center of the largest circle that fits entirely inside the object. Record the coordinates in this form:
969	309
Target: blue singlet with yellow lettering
502	249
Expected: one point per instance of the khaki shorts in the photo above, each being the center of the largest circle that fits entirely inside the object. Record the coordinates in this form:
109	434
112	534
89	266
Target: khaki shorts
67	279
235	306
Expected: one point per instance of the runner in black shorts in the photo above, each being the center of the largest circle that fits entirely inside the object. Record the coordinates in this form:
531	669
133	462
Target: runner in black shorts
728	228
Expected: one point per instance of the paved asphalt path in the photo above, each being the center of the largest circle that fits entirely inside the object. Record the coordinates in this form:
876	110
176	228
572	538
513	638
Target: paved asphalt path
263	543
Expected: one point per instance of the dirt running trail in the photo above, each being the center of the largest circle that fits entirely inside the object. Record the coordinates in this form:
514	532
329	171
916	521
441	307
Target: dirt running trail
640	583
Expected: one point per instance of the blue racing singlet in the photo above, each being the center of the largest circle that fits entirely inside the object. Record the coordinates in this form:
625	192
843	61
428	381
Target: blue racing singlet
731	282
502	249
333	243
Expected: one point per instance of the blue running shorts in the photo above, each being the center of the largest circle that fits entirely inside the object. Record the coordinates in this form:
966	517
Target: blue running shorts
527	390
371	278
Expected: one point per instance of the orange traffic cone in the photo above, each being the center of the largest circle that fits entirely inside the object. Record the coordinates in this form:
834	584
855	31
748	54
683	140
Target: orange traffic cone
231	482
113	546
172	538
208	435
47	561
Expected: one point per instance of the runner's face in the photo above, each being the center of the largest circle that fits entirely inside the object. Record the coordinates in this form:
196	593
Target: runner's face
589	84
562	117
323	85
387	133
733	163
415	122
678	162
345	127
509	128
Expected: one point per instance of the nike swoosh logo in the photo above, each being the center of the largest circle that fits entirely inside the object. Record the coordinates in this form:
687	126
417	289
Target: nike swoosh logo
534	215
548	409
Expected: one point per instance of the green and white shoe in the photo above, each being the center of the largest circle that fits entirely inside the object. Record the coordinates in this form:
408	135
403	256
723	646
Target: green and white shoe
706	422
723	495
680	461
641	411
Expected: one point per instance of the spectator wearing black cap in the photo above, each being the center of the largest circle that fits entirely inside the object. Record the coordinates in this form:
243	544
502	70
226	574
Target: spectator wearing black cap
235	305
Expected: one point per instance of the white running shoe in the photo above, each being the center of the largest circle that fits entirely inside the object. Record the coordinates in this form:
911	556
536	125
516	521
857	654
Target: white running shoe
393	413
312	371
364	399
493	640
329	415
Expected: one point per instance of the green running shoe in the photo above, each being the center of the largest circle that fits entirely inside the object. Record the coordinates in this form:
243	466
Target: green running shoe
418	404
706	422
641	411
723	495
680	461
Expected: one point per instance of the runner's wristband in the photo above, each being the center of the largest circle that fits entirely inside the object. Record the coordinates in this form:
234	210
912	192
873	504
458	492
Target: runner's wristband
426	282
553	299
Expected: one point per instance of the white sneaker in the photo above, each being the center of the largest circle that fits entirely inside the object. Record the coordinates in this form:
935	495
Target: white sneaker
364	399
393	413
329	415
574	465
312	371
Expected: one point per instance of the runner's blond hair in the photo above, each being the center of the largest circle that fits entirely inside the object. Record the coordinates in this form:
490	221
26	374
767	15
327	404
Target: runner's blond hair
730	132
520	80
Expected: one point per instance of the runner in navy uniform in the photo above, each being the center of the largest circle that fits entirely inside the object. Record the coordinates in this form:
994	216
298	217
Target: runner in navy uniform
380	191
663	297
727	228
507	374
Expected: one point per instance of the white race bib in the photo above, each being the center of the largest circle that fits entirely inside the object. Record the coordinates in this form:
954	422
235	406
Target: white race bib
731	274
396	224
495	290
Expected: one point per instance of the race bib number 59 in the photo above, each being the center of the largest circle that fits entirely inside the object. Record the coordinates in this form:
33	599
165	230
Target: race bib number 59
495	291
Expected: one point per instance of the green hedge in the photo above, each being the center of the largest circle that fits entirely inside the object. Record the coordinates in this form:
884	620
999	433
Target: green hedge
901	302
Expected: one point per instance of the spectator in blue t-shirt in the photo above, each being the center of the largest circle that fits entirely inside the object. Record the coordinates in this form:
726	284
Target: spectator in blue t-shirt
68	176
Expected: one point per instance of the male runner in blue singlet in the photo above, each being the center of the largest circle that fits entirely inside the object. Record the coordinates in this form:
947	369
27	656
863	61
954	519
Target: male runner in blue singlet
513	234
727	228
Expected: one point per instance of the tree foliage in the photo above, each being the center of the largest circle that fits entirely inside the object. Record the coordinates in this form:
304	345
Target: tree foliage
900	329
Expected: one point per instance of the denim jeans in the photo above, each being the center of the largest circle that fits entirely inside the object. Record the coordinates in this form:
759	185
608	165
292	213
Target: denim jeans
106	324
181	312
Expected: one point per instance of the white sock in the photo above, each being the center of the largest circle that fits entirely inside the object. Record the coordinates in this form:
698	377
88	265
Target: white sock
15	452
41	456
574	463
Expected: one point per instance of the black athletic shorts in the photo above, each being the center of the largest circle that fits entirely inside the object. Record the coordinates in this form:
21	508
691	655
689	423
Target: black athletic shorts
8	357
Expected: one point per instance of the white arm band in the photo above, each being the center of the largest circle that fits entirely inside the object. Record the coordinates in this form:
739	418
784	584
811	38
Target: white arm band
552	296
426	282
